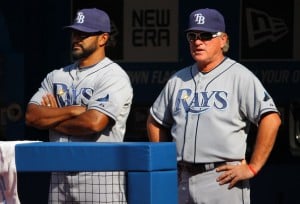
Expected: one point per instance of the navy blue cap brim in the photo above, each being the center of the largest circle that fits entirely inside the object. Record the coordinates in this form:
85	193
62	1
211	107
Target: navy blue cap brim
201	29
83	29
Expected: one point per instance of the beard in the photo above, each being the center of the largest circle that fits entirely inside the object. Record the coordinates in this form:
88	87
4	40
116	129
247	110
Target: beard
84	52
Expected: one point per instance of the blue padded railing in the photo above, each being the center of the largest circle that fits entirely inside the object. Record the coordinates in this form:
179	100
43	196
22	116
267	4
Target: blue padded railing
151	167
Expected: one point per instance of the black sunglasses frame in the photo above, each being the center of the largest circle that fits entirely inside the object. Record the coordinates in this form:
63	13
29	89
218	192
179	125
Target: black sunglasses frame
203	36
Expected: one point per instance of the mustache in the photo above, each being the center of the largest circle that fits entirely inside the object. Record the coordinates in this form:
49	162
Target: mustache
77	45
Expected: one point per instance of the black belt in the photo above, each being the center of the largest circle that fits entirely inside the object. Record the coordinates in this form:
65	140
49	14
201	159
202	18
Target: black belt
197	168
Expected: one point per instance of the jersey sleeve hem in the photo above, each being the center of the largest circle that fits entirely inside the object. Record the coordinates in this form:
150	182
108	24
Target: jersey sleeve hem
156	118
109	114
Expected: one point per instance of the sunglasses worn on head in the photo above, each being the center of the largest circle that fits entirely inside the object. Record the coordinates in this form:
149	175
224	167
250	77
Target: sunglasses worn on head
204	36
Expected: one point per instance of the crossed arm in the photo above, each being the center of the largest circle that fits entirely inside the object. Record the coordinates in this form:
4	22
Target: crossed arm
71	120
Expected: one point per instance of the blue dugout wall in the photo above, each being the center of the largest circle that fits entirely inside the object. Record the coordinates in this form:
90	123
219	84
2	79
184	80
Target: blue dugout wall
151	167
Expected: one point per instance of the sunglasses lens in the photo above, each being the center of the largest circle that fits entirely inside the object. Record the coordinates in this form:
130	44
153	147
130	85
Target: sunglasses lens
191	36
206	36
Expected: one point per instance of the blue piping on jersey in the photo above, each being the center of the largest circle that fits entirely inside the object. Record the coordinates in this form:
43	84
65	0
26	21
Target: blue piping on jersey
187	118
198	118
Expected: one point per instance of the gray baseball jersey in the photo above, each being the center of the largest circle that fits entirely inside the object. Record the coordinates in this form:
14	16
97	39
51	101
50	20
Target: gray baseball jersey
104	87
209	114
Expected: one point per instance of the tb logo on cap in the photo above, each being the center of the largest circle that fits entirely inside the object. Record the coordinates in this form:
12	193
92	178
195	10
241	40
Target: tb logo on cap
80	17
199	18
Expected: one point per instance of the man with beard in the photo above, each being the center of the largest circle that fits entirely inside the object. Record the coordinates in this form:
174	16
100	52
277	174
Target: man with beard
88	100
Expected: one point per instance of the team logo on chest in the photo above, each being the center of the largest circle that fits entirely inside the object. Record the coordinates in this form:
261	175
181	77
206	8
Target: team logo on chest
67	96
199	102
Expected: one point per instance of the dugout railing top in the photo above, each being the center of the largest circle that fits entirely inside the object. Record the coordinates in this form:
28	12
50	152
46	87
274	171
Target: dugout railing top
151	167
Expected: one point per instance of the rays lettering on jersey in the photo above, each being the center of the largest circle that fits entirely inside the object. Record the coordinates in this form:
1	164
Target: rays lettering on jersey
67	97
200	101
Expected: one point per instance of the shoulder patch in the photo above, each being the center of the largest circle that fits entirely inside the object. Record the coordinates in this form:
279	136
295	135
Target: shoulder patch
267	97
104	99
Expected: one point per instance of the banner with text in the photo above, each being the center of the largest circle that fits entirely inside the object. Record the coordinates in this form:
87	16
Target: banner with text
150	31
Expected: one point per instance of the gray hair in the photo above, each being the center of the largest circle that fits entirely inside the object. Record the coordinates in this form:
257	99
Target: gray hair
226	47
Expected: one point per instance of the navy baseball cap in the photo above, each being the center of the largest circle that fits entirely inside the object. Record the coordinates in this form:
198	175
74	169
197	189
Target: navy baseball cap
209	20
91	20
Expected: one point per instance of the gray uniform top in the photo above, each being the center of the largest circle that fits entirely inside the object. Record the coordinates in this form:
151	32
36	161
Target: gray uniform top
209	114
104	87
